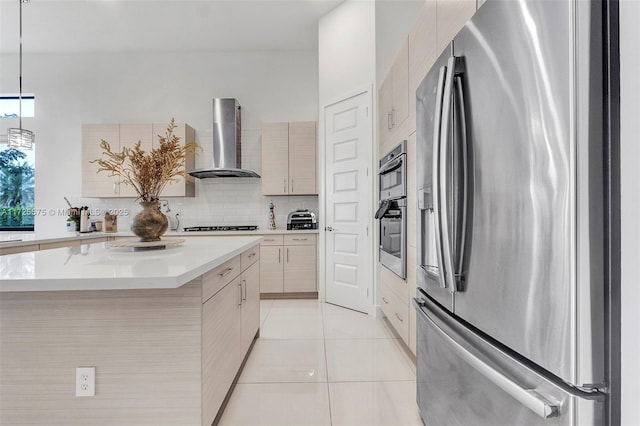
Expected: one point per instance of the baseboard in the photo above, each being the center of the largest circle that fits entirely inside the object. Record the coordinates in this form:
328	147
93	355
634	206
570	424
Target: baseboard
306	295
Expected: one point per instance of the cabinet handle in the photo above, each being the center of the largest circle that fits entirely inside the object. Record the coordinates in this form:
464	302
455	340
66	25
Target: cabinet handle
244	281
226	272
287	254
115	187
389	125
291	186
284	187
385	300
251	255
299	239
398	316
279	254
268	239
240	287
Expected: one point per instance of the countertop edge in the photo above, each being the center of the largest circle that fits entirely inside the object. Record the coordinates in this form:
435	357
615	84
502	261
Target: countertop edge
127	283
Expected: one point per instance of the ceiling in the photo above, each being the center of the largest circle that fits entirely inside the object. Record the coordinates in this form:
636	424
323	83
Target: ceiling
71	26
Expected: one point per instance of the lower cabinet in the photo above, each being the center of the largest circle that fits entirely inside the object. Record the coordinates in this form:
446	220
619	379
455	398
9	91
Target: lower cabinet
250	308
230	322
394	301
288	264
221	357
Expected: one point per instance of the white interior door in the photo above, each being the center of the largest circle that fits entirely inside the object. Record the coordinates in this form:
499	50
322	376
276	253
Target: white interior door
348	140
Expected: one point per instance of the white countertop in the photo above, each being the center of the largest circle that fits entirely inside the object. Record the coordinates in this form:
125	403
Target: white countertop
17	239
99	267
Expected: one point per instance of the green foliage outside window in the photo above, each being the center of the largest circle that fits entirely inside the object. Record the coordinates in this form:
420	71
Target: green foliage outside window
17	183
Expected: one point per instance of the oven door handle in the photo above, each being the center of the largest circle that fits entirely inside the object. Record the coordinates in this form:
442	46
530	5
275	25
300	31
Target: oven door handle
383	209
391	166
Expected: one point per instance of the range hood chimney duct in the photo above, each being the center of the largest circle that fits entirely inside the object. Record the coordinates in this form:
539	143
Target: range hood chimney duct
227	152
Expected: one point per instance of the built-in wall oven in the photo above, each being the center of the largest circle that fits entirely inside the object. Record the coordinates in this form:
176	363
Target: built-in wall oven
393	173
392	211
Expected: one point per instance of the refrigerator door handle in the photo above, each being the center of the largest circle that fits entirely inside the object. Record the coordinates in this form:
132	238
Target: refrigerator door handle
437	130
527	397
448	271
464	180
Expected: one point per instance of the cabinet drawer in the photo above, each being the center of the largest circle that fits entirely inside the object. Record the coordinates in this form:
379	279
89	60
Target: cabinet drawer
396	310
394	282
214	280
272	240
249	257
300	240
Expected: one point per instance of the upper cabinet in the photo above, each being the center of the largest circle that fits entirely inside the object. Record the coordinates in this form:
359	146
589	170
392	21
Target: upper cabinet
101	185
289	158
393	97
422	53
436	25
452	15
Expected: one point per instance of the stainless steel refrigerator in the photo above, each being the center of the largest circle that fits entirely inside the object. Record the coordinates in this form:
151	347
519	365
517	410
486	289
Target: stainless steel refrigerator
511	298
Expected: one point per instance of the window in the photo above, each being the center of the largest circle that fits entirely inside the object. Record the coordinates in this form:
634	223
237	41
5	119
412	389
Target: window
17	189
17	170
10	105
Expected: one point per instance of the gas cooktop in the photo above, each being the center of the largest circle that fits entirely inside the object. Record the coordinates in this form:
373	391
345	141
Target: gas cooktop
221	228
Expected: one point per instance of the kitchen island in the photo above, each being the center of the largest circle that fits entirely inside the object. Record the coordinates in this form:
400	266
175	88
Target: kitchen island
166	330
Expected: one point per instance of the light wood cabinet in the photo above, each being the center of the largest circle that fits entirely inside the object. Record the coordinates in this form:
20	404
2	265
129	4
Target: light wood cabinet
289	158
396	310
96	184
451	16
183	187
393	97
271	269
230	322
250	308
221	351
288	264
101	185
422	53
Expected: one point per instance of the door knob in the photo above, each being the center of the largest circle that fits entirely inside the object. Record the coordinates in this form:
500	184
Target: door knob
328	228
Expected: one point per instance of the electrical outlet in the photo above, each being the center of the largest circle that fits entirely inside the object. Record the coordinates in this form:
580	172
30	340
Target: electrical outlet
86	381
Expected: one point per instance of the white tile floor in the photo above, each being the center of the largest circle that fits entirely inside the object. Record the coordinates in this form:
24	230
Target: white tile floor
319	364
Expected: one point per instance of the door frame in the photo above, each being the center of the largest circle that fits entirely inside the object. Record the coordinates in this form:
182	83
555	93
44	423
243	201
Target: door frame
371	205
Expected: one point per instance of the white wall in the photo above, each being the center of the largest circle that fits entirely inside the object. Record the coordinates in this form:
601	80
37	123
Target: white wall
346	50
630	194
154	87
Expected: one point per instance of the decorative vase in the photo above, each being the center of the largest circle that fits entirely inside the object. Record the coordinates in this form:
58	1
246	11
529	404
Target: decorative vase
150	223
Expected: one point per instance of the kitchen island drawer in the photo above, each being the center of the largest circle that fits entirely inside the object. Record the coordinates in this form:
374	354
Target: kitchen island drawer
249	257
214	280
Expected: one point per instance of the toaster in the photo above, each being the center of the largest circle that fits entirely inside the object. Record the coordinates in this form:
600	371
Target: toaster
302	219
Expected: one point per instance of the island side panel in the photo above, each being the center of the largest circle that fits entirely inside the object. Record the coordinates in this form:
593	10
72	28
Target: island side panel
145	345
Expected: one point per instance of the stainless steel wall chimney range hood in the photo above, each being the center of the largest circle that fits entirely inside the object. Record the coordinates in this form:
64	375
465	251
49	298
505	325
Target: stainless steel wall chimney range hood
226	142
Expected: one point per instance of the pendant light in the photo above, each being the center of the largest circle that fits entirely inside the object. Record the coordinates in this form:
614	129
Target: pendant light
20	138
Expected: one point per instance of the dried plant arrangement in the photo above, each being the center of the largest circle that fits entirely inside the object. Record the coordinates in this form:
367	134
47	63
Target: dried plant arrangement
148	172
